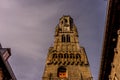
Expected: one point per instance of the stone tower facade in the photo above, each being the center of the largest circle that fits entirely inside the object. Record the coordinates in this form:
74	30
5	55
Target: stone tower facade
66	60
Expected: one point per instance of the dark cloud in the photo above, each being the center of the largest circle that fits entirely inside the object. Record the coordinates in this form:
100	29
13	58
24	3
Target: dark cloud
27	27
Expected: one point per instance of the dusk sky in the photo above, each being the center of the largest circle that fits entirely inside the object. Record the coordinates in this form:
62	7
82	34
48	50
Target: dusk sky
28	26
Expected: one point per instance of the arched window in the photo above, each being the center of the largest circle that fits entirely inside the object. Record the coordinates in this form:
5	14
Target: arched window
63	38
78	56
54	55
60	55
62	73
66	55
72	55
61	22
65	20
68	38
50	76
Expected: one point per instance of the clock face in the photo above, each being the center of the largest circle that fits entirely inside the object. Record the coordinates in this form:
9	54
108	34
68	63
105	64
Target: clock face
62	75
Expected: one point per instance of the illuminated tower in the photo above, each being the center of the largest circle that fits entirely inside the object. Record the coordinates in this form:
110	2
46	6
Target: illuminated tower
66	60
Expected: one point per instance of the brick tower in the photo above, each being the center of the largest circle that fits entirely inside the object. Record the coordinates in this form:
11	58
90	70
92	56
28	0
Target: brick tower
66	60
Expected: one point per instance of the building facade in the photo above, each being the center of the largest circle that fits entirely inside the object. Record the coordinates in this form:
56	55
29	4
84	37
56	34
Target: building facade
110	61
66	60
115	65
6	72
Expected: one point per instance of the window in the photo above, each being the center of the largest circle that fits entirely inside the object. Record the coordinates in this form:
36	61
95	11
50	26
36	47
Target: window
66	55
77	56
60	55
65	20
50	76
62	72
72	55
55	55
63	38
61	22
68	38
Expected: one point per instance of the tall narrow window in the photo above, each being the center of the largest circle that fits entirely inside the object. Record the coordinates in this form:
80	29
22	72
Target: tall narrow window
68	38
66	55
63	38
50	76
77	56
65	20
72	55
54	55
60	55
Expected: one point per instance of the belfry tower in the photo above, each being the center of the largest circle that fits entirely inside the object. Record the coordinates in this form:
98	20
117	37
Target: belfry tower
66	60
